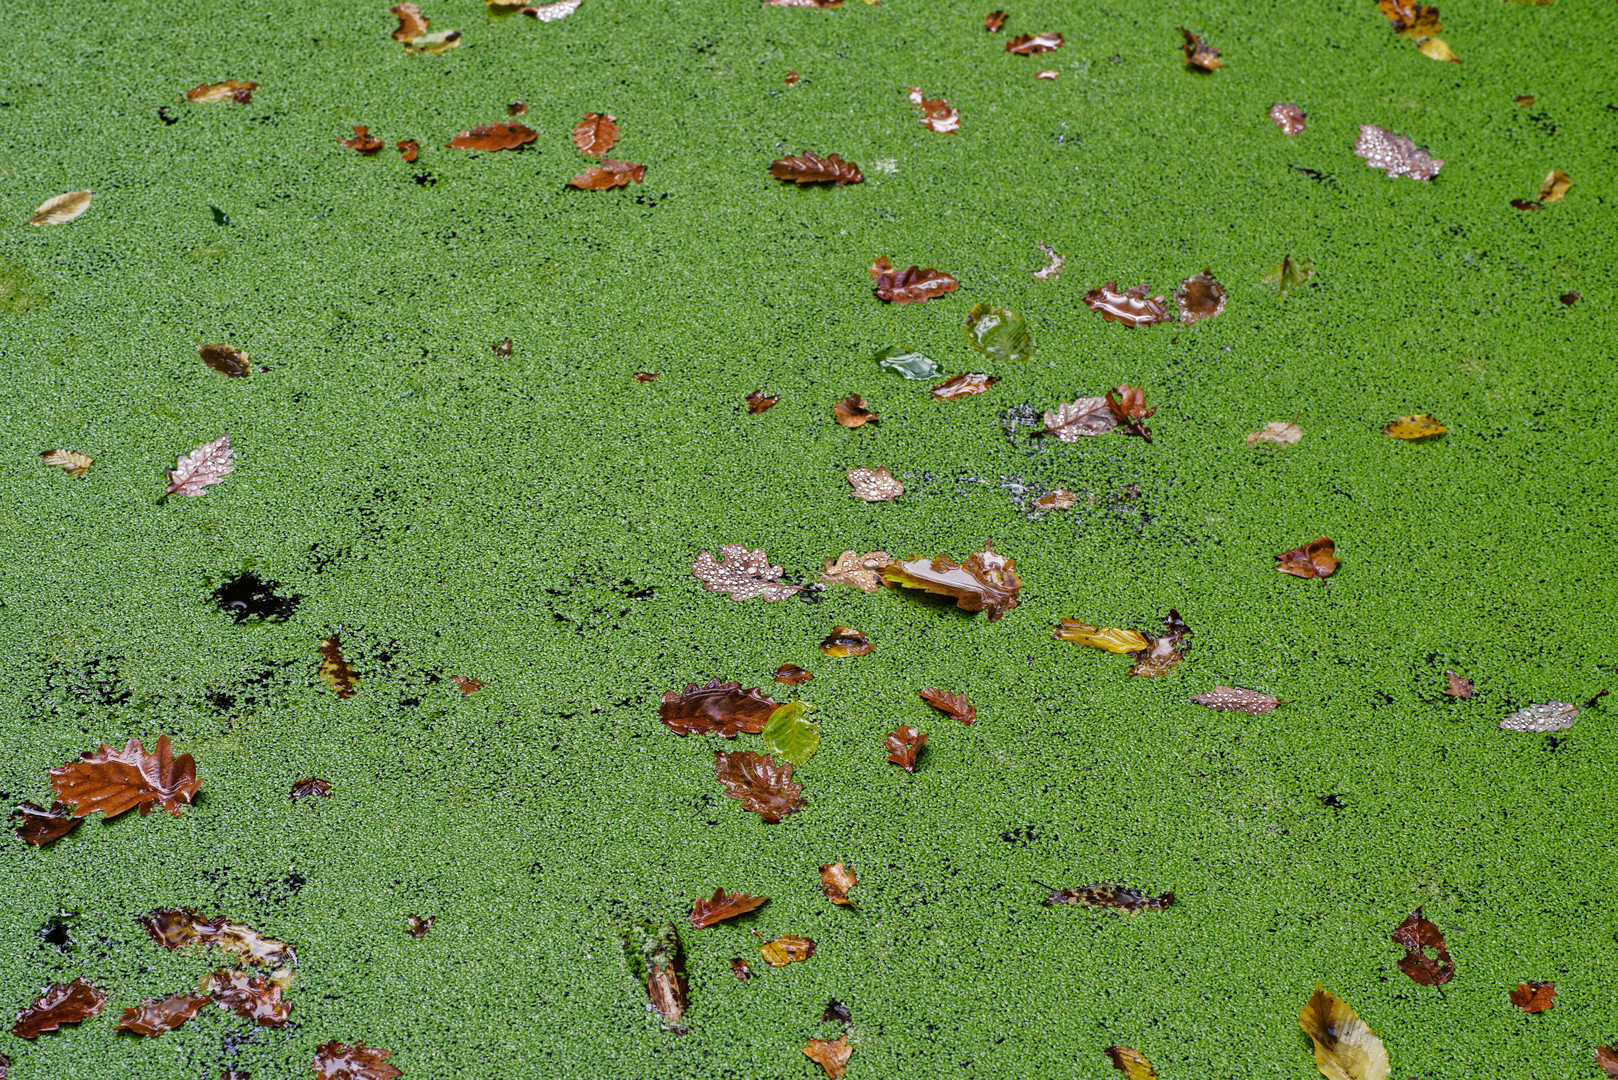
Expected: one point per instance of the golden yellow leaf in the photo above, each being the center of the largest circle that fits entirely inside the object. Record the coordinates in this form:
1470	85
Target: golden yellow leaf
62	209
71	462
1555	186
786	949
335	670
1419	426
1111	638
1437	49
1131	1062
1345	1048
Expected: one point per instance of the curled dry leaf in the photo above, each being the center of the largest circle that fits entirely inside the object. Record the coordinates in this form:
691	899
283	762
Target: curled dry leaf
1131	1062
742	574
1056	499
1129	408
938	114
1288	117
1289	274
408	149
811	168
853	411
845	641
62	208
1551	716
596	133
1345	1047
203	467
1077	419
181	928
1317	558
418	926
1235	699
363	141
334	1061
1457	687
791	733
1436	49
226	359
71	462
412	24
903	744
836	879
717	708
1534	997
252	997
1420	426
874	485
114	781
1132	307
1033	44
1411	20
1047	75
986	581
831	1055
1199	297
759	783
1198	53
998	333
864	572
1053	269
792	675
1396	155
994	21
313	787
239	91
505	136
953	705
914	285
335	670
723	905
609	174
1555	186
466	686
154	1016
561	9
1104	894
963	386
39	826
63	1003
1280	432
1417	935
758	402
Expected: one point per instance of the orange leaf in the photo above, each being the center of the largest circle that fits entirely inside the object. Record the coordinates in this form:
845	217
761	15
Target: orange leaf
506	136
1200	54
950	704
986	581
811	168
1420	426
114	781
408	149
914	285
994	21
717	708
40	826
610	174
723	905
595	134
787	949
1535	997
411	23
1034	44
1314	559
759	783
903	744
937	114
837	879
363	141
831	1055
852	412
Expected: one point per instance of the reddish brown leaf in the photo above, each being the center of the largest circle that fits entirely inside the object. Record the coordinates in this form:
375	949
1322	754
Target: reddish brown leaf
874	485
226	359
203	467
950	704
786	949
1198	53
1081	418
986	581
853	412
363	141
914	285
314	786
836	879
609	174
903	744
408	149
994	21
936	114
964	386
114	781
335	670
723	905
1034	44
418	926
739	968
759	783
1107	895
63	1003
1457	687
1314	559
251	997
181	928
1396	155
742	574
1416	934
791	78
40	826
1288	117
845	641
334	1061
792	675
645	376
1058	498
239	91
1129	408
811	168
1047	75
503	349
717	708
1199	297
1525	100
1535	997
517	108
1162	653
506	136
411	23
758	401
864	572
596	133
1132	307
466	686
1607	1060
1235	699
154	1016
830	1055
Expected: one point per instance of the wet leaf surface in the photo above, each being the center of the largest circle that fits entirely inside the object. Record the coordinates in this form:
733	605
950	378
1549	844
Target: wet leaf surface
994	21
363	141
792	675
986	581
203	467
1198	53
503	136
874	485
1345	1046
1034	44
1417	935
791	734
408	149
1111	638
1396	155
836	879
760	783
114	781
999	334
1534	997
1235	699
719	708
313	787
811	168
787	949
1053	269
1131	307
609	174
830	1055
936	114
335	1061
963	386
335	670
1607	1060
914	285
38	826
845	641
908	365
1056	499
864	572
63	1003
158	1015
1288	275
252	997
953	705
596	133
1107	895
239	91
1288	117
1317	558
1199	297
1457	687
1084	418
723	905
418	926
181	928
466	686
1549	716
741	574
903	744
739	968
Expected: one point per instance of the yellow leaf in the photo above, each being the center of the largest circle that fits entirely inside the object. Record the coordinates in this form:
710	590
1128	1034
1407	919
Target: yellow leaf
1419	426
1345	1048
62	209
1111	638
1436	49
71	462
237	90
1555	186
1132	1063
786	949
442	41
335	670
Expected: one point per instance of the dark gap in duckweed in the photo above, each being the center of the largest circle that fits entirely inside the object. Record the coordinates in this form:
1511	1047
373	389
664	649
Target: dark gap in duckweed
248	598
56	932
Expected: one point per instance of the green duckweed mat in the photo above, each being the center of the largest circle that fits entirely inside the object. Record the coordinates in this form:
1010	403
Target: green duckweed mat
531	521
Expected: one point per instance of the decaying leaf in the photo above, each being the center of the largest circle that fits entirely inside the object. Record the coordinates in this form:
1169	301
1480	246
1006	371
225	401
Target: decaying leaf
1132	307
951	704
609	174
1033	44
836	879
907	365
1396	155
335	670
203	467
1199	297
1288	274
994	21
181	928
1162	653
1288	117
71	462
645	376
874	485
938	114
723	905
412	24
716	709
792	675
113	781
239	91
759	783
418	926
39	826
596	133
656	957
1420	426
1317	558
561	9
836	1012
1047	75
758	401
1607	1060
1052	269
742	574
1280	432
1131	1062
1551	716
1345	1047
914	285
791	733
963	386
739	968
226	359
439	42
811	168
845	641
1198	53
408	149
505	136
1568	299
62	208
1129	409
1555	186
998	333
1417	935
831	1055
313	787
1056	499
1104	894
986	581
334	1061
63	1003
1409	19
1235	699
1111	638
864	572
853	411
903	744
1457	687
787	949
791	78
466	686
1436	49
1534	997
252	997
1081	418
363	141
154	1016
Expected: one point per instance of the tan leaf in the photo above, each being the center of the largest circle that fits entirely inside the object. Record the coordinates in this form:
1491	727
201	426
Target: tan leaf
874	485
1555	186
831	1055
1457	687
1279	432
836	879
853	411
742	574
864	572
1198	53
113	781
609	174
561	9
964	386
412	24
203	467
1199	297
596	133
1411	19
1056	499
239	91
811	168
1054	269
787	949
938	115
1131	1062
758	401
62	209
335	670
226	359
985	581
71	462
994	21
1345	1048
40	826
313	787
440	42
1436	49
408	149
1077	419
1235	699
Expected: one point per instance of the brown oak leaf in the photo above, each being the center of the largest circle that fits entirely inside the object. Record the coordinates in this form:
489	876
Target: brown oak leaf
986	581
1534	997
845	641
1457	687
742	574
1162	653
408	149
1198	53
836	879
717	708
739	968
759	783
239	91
723	905
1108	895
964	385
63	1003
39	826
1199	297
853	411
1317	558
363	141
504	136
418	926
412	24
757	402
251	997
1396	155
864	572
334	1061
903	744
1077	419
1129	409
114	781
314	787
786	949
181	928
154	1016
1235	699
1417	935
936	114
831	1055
1411	20
226	359
609	174
914	285
335	670
792	675
950	704
1607	1060
1034	44
596	133
1288	117
466	686
1132	307
994	21
811	168
208	464
874	485
803	3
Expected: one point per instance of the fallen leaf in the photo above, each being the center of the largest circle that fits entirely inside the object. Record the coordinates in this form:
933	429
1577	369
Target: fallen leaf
1551	716
1345	1048
914	285
757	402
335	670
1535	997
803	3
466	686
903	744
1288	275
441	42
717	708
1113	639
963	386
63	1003
1034	44
1104	894
113	781
951	704
503	349
864	572
1525	100
1132	307
412	24
1411	20
419	927
1457	687
154	1016
1607	1060
811	168
994	21
596	133
907	365
645	376
252	997
1569	299
831	1055
1436	49
1279	432
938	114
517	108
561	9
239	91
853	411
408	149
1057	499
71	462
1198	53
1314	559
1555	186
742	574
62	208
203	467
226	359
1235	699
836	1013
787	949
1081	418
874	485
1047	75
363	141
313	787
986	581
506	136
1288	117
1199	297
1420	426
1396	155
39	826
739	968
836	879
334	1061
845	641
1053	269
1129	409
1131	1062
760	783
723	905
609	174
1163	652
998	333
791	734
791	78
1417	935
181	928
792	675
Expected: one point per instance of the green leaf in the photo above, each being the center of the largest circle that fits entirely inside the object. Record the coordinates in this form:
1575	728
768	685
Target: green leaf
789	734
1289	275
998	333
910	365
